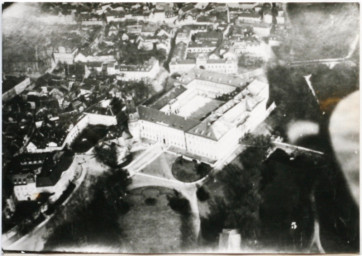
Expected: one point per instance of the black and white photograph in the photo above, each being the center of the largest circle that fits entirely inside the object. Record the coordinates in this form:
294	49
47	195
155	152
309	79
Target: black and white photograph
180	127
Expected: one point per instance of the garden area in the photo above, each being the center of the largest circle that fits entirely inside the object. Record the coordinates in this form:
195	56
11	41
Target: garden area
189	171
155	222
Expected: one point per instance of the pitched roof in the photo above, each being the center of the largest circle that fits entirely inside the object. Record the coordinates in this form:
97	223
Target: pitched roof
203	44
225	118
165	98
171	120
52	170
221	78
186	61
249	15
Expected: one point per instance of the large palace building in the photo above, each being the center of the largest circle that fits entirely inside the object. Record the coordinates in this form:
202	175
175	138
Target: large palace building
205	114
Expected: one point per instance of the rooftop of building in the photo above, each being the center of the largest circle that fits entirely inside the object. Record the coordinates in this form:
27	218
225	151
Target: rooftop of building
201	115
183	61
101	108
191	104
147	66
214	35
235	111
249	14
201	74
27	162
203	44
165	98
171	120
53	168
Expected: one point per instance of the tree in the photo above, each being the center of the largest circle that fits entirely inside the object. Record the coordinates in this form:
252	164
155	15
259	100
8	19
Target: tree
203	169
257	147
214	223
242	187
107	154
91	215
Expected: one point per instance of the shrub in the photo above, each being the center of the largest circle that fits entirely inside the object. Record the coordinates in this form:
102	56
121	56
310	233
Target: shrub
150	201
179	205
202	194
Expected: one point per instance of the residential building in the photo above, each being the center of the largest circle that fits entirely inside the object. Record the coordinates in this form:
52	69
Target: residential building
52	176
147	70
183	36
249	17
64	54
200	47
227	66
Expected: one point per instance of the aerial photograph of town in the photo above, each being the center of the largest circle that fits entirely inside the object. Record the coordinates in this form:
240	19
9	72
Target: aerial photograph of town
180	127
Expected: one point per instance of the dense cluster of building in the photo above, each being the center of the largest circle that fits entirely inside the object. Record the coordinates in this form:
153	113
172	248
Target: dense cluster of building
110	49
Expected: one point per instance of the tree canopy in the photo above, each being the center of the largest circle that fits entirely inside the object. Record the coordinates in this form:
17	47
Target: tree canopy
242	187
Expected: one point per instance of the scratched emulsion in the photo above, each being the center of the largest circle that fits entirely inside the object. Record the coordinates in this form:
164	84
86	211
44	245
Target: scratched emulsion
344	130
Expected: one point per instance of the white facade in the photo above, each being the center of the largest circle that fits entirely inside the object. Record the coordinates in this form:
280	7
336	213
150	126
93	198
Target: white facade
183	37
268	18
200	48
84	59
30	192
249	19
220	66
63	56
26	192
262	31
181	66
92	23
162	133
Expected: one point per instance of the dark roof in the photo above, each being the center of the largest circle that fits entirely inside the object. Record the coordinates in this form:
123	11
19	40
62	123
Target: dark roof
52	170
212	35
10	81
250	15
171	120
27	162
95	64
186	61
201	74
171	94
188	7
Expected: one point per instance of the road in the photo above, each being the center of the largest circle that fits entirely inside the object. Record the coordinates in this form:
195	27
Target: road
173	45
145	158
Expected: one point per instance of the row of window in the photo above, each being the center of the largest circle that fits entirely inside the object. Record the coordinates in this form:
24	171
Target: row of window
155	137
31	162
21	188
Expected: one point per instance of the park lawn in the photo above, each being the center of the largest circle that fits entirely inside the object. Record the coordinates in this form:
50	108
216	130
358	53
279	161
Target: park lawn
150	228
161	166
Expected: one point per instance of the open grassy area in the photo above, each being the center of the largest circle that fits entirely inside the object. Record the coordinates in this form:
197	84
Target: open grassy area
161	167
151	226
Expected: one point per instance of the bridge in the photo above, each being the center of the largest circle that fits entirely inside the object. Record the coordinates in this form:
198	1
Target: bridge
296	150
330	62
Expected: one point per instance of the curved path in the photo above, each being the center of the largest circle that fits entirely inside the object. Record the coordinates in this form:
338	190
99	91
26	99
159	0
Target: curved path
187	190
